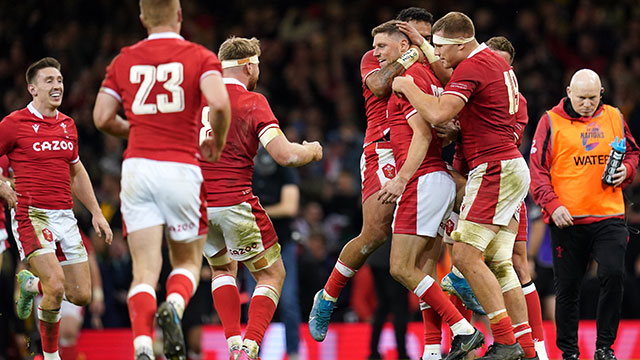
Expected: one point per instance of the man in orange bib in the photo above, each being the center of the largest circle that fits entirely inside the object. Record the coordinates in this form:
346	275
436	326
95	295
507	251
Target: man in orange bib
569	154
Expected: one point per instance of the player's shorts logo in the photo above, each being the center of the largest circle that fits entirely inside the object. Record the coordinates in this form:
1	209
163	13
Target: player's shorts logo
243	250
48	235
389	171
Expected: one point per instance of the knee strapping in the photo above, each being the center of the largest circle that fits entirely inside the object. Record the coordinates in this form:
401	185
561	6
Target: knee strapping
220	260
506	275
498	258
264	260
473	234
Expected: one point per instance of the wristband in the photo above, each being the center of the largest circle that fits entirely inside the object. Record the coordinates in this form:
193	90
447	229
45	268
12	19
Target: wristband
408	58
428	51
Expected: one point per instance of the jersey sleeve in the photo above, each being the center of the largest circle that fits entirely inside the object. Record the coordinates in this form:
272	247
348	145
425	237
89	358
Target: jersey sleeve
210	64
110	82
8	130
368	65
464	81
522	118
265	124
76	154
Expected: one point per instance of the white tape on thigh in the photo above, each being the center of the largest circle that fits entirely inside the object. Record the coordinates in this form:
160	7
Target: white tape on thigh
264	260
220	260
473	234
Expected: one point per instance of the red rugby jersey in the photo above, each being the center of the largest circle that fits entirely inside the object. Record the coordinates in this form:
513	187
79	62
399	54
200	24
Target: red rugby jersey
158	82
40	150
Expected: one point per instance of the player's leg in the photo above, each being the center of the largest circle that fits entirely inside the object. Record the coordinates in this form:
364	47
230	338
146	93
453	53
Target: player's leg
182	203
77	287
521	266
425	203
143	222
377	166
146	260
268	271
498	256
226	297
49	271
430	319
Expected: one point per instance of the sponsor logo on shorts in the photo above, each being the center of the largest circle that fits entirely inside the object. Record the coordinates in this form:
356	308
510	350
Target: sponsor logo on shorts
54	145
182	227
389	171
48	235
244	250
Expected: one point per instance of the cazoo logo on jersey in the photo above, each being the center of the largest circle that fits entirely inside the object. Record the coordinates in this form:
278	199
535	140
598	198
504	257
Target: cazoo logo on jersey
54	145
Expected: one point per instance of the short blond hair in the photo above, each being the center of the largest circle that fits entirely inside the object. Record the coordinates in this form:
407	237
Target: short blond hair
158	12
235	48
455	25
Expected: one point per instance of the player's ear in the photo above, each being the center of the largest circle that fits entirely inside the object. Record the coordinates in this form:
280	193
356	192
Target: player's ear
179	15
142	21
32	89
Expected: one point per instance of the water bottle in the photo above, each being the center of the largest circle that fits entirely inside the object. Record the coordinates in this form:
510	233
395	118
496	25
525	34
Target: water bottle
615	160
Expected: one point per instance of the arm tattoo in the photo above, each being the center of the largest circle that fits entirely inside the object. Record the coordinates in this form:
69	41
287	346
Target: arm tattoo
385	76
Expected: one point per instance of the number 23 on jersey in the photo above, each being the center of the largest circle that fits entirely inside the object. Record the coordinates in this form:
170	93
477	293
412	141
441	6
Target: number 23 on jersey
171	75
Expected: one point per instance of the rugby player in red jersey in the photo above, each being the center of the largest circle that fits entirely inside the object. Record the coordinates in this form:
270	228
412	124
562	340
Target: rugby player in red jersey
483	93
42	146
159	82
239	228
424	192
377	165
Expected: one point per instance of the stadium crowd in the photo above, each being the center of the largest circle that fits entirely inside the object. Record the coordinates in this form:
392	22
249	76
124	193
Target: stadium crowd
309	73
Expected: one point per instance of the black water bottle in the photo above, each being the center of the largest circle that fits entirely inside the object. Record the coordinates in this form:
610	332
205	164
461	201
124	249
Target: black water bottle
618	149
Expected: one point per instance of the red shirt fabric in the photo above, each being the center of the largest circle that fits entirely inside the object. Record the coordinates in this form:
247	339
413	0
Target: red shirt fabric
4	171
41	150
375	107
400	110
158	82
522	119
483	82
228	181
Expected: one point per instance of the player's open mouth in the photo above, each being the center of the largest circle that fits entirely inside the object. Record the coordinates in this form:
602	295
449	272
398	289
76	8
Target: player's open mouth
56	95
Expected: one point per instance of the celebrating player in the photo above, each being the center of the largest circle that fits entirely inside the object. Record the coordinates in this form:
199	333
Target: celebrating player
159	81
42	146
239	228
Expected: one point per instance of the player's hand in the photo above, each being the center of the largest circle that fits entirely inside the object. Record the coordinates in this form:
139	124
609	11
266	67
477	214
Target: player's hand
102	228
400	83
210	150
392	190
562	217
8	194
448	132
619	176
411	32
315	148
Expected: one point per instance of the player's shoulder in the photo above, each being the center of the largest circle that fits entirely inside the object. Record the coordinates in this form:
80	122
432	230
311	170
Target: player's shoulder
17	116
368	59
64	117
253	98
